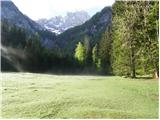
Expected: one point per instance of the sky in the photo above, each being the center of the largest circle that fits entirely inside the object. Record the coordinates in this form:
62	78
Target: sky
37	9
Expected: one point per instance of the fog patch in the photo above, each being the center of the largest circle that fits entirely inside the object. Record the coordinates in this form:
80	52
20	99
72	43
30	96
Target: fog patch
14	56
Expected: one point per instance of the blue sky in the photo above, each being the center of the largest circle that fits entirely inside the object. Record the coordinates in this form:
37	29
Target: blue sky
37	9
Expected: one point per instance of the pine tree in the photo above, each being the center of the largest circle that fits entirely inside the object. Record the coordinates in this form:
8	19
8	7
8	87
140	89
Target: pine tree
95	54
88	51
135	37
95	59
104	51
151	24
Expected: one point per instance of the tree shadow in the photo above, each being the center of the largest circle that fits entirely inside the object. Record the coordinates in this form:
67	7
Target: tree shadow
144	77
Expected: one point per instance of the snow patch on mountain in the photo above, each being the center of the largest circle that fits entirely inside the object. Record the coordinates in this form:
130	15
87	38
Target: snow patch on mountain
59	24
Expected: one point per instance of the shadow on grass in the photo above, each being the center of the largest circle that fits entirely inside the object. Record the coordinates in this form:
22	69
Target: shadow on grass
140	77
144	78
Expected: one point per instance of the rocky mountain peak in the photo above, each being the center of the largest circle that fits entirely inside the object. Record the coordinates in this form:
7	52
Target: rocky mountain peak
12	14
59	24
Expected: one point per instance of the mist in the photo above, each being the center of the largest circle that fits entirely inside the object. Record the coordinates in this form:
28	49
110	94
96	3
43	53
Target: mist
13	56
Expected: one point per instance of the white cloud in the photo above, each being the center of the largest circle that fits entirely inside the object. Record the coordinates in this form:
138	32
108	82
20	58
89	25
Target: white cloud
36	9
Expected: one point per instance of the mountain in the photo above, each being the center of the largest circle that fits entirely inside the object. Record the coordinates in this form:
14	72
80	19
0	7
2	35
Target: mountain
93	28
20	53
59	24
68	39
11	14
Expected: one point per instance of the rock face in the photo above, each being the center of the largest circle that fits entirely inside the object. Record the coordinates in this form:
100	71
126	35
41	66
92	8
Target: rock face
66	27
11	14
59	24
94	27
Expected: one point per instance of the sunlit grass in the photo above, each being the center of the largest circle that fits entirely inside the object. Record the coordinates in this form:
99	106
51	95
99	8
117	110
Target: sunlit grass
27	95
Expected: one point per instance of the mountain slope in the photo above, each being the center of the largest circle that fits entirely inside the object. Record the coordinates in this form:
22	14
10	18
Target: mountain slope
59	24
11	14
93	28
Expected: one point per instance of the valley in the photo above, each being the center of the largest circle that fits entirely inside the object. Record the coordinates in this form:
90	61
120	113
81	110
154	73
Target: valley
28	95
80	65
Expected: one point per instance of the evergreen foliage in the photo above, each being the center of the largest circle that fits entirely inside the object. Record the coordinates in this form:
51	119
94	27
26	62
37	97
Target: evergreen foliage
135	37
129	47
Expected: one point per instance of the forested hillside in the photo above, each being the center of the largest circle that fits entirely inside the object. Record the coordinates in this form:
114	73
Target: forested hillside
107	67
122	40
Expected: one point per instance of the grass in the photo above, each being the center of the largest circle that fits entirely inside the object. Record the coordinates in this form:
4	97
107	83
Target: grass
27	95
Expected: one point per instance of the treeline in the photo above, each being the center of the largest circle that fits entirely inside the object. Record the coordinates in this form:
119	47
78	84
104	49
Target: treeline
128	47
23	52
96	56
135	49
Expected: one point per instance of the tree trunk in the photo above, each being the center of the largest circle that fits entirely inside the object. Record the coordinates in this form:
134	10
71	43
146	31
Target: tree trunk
156	72
133	70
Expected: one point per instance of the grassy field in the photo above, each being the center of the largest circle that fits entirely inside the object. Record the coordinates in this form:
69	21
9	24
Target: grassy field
27	95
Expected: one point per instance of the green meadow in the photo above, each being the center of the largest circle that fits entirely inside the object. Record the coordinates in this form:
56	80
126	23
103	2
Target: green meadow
30	95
